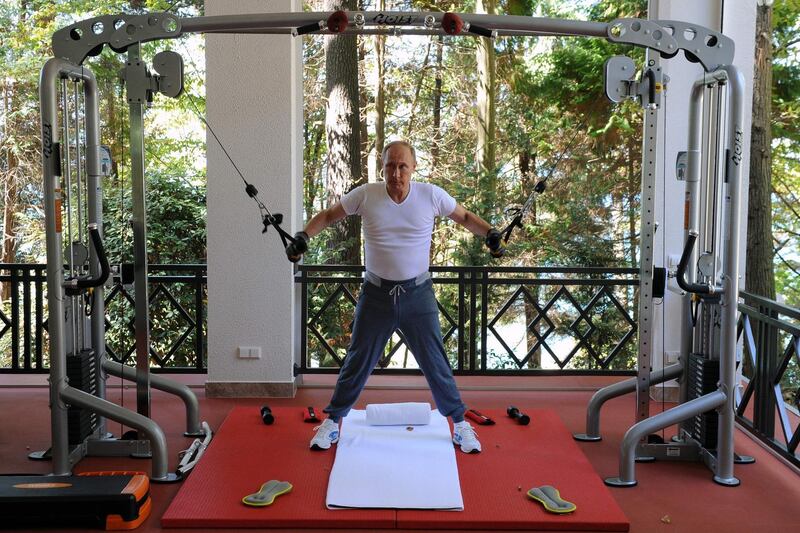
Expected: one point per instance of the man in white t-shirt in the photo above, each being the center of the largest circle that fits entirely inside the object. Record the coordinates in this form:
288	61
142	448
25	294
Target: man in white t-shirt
397	219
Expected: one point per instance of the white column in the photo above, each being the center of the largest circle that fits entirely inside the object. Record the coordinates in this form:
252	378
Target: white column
254	104
738	23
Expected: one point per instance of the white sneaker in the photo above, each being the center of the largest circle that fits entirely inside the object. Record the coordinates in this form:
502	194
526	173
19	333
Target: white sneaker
464	436
325	434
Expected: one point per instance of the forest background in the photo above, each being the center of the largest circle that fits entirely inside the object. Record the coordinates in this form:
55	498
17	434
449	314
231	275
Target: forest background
490	120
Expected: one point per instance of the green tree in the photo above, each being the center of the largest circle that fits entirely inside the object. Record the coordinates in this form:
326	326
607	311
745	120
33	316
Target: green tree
176	181
544	89
760	270
785	133
343	132
22	54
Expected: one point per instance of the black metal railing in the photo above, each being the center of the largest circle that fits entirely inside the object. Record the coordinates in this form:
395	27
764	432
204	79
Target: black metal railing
770	333
178	300
504	320
23	336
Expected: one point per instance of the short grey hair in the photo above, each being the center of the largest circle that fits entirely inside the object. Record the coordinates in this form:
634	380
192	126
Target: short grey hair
400	142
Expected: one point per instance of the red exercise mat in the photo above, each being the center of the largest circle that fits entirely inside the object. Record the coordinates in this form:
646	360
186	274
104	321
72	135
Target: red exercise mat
245	453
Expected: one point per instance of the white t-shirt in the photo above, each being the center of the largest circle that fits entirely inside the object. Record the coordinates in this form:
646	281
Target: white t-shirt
397	237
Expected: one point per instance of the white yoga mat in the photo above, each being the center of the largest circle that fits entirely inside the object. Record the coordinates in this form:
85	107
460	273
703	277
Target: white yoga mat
394	467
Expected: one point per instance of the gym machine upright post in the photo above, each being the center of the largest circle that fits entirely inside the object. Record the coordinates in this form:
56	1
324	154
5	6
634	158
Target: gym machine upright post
707	363
72	295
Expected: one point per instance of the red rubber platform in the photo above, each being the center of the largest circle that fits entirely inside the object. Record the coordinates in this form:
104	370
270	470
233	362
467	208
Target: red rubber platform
245	453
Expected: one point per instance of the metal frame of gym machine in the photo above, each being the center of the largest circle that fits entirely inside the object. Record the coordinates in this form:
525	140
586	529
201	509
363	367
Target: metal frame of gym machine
661	38
73	293
708	282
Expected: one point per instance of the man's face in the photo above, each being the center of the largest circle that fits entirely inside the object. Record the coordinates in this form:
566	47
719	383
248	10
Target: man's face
398	167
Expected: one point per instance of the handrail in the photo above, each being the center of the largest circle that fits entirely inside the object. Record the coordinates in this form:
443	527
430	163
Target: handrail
23	326
471	321
768	351
771	304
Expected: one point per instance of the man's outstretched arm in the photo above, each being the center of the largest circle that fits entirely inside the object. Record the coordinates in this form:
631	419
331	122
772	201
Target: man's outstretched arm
318	222
479	227
325	218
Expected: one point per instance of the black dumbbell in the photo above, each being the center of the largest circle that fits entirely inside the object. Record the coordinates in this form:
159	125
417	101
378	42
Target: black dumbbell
515	413
266	415
310	415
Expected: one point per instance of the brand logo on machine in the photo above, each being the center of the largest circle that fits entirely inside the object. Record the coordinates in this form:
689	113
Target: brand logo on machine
382	18
47	139
737	147
42	485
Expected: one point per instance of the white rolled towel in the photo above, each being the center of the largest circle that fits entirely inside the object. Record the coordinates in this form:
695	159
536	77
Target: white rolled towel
397	414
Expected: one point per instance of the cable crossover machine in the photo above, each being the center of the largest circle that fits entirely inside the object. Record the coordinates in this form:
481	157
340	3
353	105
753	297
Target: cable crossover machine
708	272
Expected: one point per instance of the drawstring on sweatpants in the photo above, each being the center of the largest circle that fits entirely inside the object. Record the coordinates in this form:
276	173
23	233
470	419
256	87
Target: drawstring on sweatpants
395	292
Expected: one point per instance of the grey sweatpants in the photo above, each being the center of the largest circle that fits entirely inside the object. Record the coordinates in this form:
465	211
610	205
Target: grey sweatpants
384	306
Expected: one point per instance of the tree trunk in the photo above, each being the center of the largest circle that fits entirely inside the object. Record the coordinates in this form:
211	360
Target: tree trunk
527	162
107	93
10	201
364	105
10	192
11	172
484	152
342	129
437	106
380	95
313	146
535	362
759	267
417	89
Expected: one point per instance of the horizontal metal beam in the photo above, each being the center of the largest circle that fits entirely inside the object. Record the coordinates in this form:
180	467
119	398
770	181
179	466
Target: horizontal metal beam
429	20
88	37
390	31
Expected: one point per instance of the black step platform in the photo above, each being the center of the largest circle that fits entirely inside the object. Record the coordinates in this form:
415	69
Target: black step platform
105	500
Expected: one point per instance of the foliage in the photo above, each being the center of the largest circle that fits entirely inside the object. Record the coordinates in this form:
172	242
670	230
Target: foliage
552	121
785	156
175	167
549	104
174	210
22	54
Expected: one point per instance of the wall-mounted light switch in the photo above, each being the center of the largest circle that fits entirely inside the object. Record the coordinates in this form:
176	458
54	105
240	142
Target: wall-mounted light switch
249	352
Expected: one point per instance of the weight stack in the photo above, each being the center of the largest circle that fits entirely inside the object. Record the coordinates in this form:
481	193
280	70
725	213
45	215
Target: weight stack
703	379
82	374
